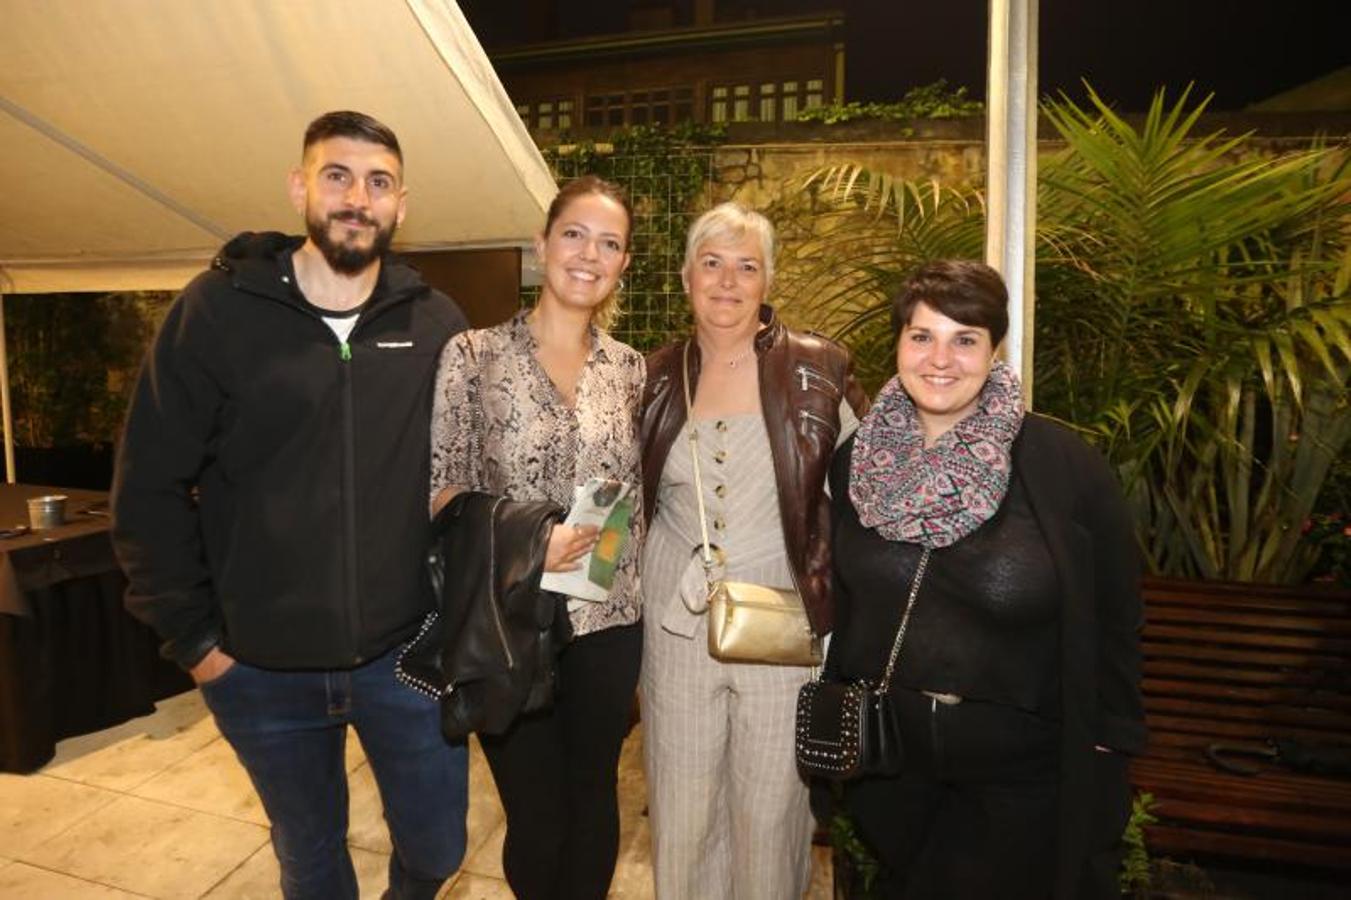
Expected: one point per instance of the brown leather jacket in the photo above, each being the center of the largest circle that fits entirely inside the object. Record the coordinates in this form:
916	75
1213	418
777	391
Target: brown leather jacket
803	378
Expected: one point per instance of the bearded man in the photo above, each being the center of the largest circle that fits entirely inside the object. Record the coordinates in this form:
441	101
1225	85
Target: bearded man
270	510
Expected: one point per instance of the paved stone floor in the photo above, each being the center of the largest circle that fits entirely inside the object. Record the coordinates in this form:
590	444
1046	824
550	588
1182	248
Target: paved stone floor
159	807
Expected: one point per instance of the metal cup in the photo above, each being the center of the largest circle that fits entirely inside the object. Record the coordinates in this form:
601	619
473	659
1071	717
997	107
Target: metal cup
47	511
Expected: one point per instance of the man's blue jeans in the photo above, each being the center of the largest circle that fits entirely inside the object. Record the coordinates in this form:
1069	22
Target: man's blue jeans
289	730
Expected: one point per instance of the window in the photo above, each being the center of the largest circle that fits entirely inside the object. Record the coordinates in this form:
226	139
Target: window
638	108
658	106
682	104
546	114
789	103
665	106
741	102
815	92
718	105
766	101
661	106
605	109
768	104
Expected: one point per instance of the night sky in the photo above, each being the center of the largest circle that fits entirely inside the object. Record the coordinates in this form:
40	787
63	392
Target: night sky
1242	50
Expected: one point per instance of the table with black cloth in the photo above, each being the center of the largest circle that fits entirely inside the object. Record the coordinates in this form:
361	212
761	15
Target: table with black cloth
72	660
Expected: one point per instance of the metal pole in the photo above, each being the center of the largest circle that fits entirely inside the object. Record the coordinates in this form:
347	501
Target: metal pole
6	417
1011	185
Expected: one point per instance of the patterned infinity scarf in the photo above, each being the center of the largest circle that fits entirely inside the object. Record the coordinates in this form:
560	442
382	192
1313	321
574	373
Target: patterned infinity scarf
938	496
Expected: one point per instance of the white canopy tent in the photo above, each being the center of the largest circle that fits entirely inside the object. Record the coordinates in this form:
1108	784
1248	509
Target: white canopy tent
136	136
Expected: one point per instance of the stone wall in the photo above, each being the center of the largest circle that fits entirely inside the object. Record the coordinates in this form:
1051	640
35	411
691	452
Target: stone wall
758	174
760	159
763	165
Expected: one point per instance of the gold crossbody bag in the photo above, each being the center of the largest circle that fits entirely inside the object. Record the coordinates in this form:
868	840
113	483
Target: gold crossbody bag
747	622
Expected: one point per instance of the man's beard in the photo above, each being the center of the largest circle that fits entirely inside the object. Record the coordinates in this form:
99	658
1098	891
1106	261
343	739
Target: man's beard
344	258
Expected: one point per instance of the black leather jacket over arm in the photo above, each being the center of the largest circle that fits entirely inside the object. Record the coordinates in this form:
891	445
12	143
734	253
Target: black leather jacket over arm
488	653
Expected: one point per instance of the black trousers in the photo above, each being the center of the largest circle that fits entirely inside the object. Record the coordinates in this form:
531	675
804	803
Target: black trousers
973	814
556	771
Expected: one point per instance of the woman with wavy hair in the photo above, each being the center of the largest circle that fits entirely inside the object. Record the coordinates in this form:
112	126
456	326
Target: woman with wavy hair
528	410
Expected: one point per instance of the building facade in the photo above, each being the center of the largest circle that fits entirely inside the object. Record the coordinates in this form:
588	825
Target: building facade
713	70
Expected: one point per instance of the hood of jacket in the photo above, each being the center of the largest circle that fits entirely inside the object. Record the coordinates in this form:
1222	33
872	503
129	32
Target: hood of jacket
251	259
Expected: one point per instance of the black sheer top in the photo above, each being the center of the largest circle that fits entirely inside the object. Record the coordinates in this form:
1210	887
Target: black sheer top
985	625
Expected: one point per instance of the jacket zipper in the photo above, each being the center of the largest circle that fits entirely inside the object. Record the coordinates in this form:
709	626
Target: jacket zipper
806	415
809	376
349	515
352	586
347	448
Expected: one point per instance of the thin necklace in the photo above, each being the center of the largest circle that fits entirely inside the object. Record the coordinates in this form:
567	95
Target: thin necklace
739	358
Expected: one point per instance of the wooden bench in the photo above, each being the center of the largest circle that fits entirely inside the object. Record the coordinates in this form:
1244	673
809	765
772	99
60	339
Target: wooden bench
1244	664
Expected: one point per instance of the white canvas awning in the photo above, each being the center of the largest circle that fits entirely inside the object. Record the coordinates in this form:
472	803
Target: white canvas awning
136	136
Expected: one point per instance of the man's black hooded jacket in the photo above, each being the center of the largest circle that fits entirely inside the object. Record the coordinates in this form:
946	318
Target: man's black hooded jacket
271	488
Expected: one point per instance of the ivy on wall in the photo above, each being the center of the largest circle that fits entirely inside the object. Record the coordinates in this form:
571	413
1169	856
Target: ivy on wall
930	101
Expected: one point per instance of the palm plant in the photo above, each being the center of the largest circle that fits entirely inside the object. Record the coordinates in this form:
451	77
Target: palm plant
850	236
1193	316
1193	312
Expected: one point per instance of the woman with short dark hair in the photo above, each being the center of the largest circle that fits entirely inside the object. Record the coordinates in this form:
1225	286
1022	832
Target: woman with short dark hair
1016	687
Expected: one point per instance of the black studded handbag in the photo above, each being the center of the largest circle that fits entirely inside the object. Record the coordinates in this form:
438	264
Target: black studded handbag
845	729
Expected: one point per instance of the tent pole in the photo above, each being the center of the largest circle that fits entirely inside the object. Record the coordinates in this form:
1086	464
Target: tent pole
6	417
1011	151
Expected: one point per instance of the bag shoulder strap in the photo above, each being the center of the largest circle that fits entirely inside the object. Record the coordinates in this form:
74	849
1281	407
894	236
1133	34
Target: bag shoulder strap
694	456
905	620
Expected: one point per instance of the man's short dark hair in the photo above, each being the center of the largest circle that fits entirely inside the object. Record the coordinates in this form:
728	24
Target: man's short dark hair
963	290
354	125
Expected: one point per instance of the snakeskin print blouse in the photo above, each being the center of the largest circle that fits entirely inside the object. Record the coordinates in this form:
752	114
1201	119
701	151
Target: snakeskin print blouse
500	426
